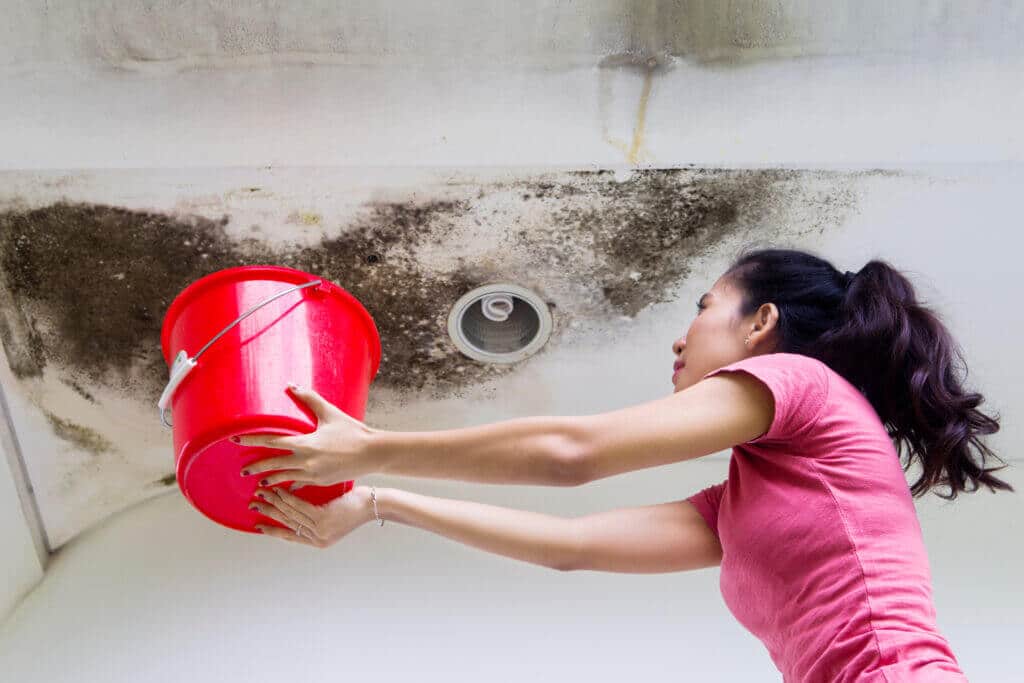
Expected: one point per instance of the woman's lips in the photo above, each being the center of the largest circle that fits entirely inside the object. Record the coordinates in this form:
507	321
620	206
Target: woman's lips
676	372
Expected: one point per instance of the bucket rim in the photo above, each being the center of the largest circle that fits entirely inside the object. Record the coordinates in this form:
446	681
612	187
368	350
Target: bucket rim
280	273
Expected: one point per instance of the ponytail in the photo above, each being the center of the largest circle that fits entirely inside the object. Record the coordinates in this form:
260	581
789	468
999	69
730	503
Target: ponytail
870	328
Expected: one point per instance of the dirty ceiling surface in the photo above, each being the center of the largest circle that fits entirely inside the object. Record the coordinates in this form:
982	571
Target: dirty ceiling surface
147	36
84	286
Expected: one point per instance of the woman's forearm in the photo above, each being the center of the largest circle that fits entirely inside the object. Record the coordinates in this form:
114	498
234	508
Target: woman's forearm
530	450
532	537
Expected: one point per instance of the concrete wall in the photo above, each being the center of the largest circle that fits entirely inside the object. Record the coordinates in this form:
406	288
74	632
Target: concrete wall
161	36
208	100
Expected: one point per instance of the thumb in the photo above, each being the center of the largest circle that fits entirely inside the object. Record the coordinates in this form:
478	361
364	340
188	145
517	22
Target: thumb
320	406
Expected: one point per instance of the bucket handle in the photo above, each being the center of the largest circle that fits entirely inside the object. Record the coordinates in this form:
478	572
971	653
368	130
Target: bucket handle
183	364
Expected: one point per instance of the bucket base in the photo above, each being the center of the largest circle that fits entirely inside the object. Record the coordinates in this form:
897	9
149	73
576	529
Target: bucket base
212	482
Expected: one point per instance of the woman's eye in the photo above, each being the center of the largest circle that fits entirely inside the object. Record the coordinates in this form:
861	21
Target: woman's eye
699	307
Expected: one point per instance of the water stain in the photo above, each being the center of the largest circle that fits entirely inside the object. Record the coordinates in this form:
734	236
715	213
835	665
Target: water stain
82	437
645	67
633	155
86	286
305	218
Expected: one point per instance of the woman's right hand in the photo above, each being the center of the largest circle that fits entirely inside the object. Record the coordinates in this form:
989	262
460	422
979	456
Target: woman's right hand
338	450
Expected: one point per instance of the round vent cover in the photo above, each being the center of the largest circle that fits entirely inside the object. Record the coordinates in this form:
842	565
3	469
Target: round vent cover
500	323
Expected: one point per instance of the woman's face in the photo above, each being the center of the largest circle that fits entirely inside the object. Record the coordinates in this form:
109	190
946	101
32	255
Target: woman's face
716	335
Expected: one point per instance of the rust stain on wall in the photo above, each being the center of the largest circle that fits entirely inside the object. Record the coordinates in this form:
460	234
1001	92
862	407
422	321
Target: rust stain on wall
644	66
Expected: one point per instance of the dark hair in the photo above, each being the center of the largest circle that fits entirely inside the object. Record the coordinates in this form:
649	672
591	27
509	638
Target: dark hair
870	328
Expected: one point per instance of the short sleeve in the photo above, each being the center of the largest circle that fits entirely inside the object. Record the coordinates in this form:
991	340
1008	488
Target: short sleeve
707	502
799	386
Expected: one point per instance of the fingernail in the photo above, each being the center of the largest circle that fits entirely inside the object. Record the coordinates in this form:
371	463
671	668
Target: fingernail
261	496
235	439
253	507
245	473
263	482
293	386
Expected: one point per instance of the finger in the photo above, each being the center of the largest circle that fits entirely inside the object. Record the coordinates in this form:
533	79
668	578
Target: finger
291	462
298	483
286	535
307	517
308	533
301	506
287	475
320	406
268	510
286	441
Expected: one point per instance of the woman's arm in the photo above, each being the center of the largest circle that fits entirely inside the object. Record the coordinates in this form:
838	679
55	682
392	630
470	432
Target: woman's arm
528	536
712	415
668	537
529	450
657	538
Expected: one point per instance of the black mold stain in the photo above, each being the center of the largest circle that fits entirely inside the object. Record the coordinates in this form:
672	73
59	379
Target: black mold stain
79	390
101	277
376	260
104	276
650	226
84	438
23	345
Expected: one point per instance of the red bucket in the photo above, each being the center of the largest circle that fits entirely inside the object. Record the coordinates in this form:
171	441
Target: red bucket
257	328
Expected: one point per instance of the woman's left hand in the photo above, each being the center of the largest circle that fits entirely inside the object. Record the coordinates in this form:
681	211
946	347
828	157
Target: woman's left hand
322	525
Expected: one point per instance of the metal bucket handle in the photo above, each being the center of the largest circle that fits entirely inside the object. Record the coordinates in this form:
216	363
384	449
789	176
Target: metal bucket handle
183	364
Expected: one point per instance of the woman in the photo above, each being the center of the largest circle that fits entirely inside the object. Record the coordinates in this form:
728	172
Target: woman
811	376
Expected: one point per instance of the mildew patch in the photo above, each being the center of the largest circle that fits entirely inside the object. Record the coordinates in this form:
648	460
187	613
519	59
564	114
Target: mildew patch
651	226
82	437
23	345
86	286
100	278
79	389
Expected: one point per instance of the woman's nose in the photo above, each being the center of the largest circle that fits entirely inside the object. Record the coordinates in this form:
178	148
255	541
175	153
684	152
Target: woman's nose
679	345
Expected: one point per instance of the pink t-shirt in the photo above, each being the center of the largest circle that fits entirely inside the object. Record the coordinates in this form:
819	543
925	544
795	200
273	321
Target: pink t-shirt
822	554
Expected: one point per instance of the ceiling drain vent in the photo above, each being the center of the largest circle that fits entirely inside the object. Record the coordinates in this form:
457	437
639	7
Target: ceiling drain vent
499	323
